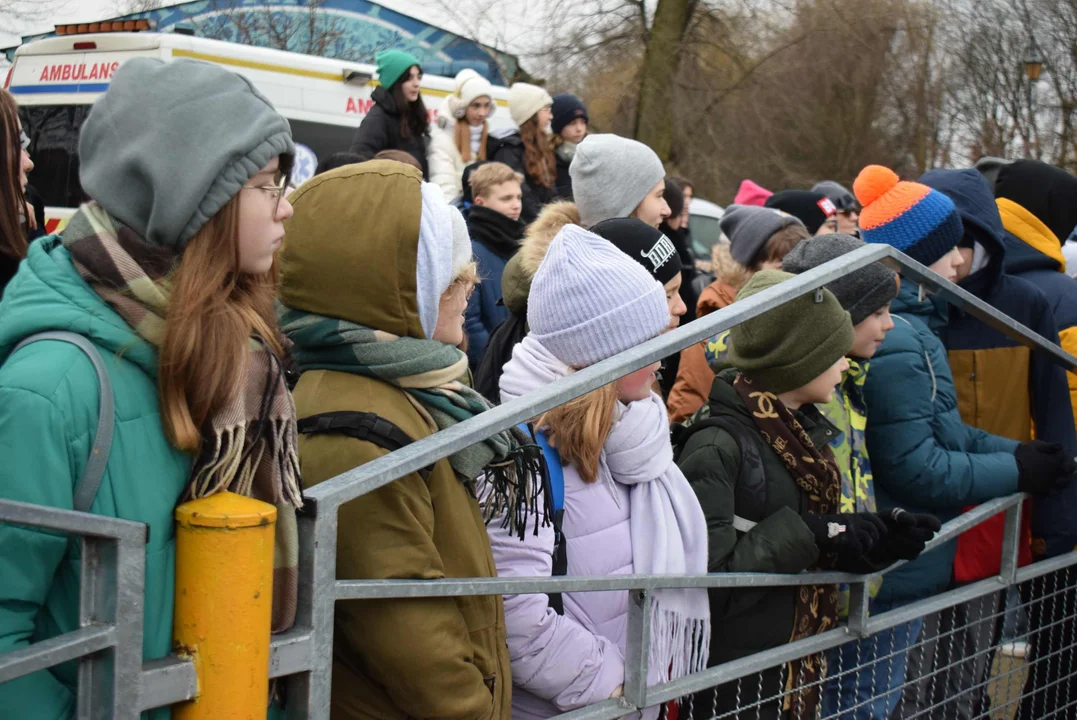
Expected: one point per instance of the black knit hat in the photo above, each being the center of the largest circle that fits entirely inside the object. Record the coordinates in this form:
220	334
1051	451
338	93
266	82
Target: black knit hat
861	292
1048	192
644	244
811	208
566	108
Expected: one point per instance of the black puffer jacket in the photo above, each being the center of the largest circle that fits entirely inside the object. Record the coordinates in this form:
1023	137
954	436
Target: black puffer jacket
380	130
510	150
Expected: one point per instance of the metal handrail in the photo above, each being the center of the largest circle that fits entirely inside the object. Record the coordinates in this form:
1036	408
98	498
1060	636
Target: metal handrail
109	638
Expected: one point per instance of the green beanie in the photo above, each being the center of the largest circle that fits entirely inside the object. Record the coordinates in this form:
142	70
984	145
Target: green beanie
392	64
788	347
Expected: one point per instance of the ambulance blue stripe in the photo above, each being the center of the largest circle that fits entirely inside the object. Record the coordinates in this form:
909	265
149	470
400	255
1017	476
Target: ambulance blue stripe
68	88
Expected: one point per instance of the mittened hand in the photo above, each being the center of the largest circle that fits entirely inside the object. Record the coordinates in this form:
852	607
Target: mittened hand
1043	467
848	535
908	534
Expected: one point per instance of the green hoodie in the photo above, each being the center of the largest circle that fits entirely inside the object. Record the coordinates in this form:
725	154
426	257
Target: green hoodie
48	416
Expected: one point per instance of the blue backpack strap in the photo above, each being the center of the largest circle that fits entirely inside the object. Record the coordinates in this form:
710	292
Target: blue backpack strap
556	488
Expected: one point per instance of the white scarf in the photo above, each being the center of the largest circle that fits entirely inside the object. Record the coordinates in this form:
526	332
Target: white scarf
669	532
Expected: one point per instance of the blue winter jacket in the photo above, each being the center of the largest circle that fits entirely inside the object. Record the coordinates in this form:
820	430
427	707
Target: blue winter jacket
924	458
484	311
1000	383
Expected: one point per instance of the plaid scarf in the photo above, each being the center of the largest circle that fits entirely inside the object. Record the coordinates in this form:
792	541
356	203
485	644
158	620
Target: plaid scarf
429	373
250	443
816	473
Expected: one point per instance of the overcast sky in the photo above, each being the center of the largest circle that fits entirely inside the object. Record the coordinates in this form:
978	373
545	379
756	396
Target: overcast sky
427	10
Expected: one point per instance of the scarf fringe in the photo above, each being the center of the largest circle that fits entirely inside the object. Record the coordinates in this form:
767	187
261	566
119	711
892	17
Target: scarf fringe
510	490
680	645
226	461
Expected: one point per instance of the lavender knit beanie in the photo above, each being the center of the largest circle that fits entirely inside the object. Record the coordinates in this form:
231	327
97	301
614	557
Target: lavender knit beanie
590	301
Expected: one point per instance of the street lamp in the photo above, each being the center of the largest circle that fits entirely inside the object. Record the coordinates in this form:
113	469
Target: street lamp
1034	61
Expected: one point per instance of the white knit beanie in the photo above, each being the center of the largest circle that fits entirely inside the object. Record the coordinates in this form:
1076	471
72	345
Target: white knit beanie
435	257
611	176
525	101
462	252
469	87
590	301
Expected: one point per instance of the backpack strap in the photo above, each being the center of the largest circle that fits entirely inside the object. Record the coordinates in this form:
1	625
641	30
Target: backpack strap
365	426
750	491
86	490
555	489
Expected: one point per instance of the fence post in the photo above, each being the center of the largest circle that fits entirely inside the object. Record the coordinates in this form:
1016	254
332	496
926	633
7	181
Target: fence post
224	599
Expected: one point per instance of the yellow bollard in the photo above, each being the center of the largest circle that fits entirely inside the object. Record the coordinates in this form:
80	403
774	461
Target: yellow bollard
224	598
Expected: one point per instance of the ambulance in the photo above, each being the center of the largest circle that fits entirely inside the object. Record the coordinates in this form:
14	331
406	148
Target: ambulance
55	81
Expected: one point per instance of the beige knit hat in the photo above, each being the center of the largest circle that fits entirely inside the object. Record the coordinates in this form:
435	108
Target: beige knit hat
526	100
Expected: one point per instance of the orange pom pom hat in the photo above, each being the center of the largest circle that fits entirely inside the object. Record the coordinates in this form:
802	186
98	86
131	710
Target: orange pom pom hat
920	222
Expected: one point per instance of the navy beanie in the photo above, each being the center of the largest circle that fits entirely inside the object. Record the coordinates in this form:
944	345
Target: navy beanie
566	108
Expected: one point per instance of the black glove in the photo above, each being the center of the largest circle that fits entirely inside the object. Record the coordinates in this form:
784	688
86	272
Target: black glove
850	536
1042	467
907	535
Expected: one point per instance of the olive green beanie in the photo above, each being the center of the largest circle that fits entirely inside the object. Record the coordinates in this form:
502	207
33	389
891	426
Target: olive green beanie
788	347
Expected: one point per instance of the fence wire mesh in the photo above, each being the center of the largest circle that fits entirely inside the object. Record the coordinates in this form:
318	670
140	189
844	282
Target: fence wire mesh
1005	655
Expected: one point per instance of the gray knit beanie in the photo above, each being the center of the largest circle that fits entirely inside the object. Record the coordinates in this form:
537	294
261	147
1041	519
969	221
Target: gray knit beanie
861	292
590	301
749	227
170	143
789	346
611	176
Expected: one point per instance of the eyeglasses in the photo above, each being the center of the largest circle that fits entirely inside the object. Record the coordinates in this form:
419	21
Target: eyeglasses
24	140
275	190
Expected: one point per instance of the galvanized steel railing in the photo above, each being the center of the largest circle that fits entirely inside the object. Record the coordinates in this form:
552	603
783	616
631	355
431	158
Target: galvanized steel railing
111	613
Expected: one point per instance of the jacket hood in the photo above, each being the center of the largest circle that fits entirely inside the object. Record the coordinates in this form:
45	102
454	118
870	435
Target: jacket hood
385	98
980	217
715	296
542	231
931	309
48	294
354	217
1030	244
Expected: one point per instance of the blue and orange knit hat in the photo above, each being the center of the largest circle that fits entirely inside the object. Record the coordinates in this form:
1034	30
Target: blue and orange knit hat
920	222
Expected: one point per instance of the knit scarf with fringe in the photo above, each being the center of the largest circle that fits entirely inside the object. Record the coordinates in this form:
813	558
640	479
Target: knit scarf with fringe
508	465
249	446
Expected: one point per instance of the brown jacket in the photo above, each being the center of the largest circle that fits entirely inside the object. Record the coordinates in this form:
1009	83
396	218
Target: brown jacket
392	659
695	377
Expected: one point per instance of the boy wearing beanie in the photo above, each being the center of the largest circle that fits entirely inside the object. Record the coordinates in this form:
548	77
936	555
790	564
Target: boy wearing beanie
844	202
569	127
1005	389
814	209
616	177
924	457
761	428
866	294
626	504
759	238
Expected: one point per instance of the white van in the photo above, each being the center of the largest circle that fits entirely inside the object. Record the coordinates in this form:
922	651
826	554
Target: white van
57	79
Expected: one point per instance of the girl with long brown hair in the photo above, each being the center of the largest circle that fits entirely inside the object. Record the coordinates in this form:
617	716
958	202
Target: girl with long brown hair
169	273
460	136
15	163
626	506
398	119
529	150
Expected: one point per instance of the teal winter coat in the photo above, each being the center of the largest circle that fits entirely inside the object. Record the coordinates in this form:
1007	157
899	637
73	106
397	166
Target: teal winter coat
923	457
48	415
